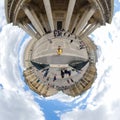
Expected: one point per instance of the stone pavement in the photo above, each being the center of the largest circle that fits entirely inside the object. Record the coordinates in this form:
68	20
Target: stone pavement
46	52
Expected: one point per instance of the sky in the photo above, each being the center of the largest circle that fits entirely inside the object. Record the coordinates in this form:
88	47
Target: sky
101	102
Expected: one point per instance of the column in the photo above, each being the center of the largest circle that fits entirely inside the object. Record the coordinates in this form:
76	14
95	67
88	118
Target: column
28	30
34	83
34	19
77	89
29	76
44	90
80	86
75	22
85	28
37	85
84	20
40	87
26	72
101	10
69	13
32	78
91	28
49	13
43	21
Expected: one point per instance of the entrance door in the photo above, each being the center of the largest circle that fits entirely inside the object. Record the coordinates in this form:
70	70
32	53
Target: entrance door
59	25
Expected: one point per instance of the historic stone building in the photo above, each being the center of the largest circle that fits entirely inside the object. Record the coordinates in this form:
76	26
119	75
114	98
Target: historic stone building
60	55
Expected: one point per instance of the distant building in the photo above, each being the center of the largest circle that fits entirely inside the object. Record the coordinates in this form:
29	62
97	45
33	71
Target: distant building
54	23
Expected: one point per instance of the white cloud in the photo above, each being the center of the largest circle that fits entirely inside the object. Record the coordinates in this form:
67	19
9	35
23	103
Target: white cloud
101	113
104	101
21	52
60	96
15	103
2	14
98	114
18	105
9	37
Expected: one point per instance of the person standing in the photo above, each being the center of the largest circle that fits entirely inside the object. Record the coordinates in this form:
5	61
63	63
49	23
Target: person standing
62	73
46	73
71	41
55	78
50	40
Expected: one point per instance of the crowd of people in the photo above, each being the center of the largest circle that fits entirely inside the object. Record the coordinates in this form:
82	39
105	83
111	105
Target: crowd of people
65	72
61	33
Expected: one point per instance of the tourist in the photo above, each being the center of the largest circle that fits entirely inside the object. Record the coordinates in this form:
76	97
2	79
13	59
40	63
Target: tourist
71	41
69	73
48	78
69	35
55	33
71	80
55	78
46	73
50	40
62	73
68	81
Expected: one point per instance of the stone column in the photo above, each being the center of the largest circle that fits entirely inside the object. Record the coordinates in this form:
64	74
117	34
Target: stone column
29	30
31	78
93	28
75	22
34	19
43	21
40	87
77	89
44	90
49	13
90	29
34	83
101	10
86	30
69	13
84	20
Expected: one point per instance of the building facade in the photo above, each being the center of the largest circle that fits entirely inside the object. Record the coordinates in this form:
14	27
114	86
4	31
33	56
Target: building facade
60	55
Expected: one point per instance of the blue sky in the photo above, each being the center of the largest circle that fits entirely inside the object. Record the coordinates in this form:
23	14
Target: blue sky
101	102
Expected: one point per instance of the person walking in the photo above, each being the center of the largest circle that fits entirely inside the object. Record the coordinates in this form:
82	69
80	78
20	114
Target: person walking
71	41
55	78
